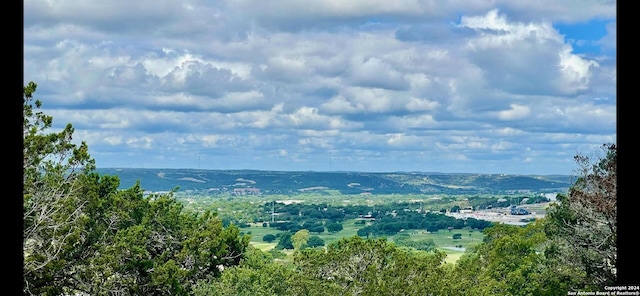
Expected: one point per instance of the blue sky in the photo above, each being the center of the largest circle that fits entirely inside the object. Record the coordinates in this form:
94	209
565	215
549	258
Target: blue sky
516	87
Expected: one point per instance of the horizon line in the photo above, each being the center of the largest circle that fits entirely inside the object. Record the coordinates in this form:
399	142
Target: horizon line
331	171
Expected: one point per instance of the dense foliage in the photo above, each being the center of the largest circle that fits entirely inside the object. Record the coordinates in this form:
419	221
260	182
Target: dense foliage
391	224
83	235
584	223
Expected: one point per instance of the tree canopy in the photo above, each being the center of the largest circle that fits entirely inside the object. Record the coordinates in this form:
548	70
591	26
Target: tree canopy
583	224
81	234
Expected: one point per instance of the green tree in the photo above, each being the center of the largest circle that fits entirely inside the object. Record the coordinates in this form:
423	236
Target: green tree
299	239
468	277
359	267
583	223
334	227
284	242
268	238
82	235
364	232
258	274
510	261
148	244
315	241
53	212
317	229
512	256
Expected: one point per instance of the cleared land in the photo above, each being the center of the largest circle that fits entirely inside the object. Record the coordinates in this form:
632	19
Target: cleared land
454	248
503	215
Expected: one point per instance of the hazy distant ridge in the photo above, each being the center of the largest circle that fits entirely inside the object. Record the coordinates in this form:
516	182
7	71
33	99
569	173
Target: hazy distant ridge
283	182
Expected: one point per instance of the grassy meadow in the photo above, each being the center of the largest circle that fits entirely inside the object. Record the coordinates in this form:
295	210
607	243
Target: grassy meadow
454	248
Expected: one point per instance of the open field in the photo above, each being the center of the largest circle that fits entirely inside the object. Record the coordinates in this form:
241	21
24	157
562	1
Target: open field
454	248
443	238
452	256
263	246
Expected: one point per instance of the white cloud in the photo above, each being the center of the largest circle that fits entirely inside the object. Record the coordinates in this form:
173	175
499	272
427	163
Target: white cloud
417	104
287	68
502	145
516	112
210	140
114	140
402	140
592	116
525	57
374	72
310	118
575	70
508	131
425	121
437	85
142	142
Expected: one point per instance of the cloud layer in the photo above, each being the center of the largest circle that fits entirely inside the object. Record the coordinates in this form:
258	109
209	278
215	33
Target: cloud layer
449	86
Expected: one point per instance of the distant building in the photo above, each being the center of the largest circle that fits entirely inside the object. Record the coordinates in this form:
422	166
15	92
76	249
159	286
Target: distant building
367	217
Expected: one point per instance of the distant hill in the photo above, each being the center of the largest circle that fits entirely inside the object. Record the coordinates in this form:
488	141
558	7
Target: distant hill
242	182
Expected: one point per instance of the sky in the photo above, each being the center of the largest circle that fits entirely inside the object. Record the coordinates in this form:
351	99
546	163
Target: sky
452	86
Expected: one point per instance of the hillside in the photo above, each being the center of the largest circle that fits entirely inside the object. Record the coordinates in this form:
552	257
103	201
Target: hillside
244	182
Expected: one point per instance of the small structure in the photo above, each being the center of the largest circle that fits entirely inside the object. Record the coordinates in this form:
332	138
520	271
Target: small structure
518	211
466	210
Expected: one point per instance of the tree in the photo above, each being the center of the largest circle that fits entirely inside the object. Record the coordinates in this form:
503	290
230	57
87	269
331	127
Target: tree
583	224
315	241
53	214
299	239
366	266
84	236
285	241
334	227
259	274
269	238
365	232
510	261
317	229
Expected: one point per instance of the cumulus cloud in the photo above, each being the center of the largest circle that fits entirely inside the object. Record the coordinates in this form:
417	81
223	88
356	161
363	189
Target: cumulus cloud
526	57
376	73
405	85
515	113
